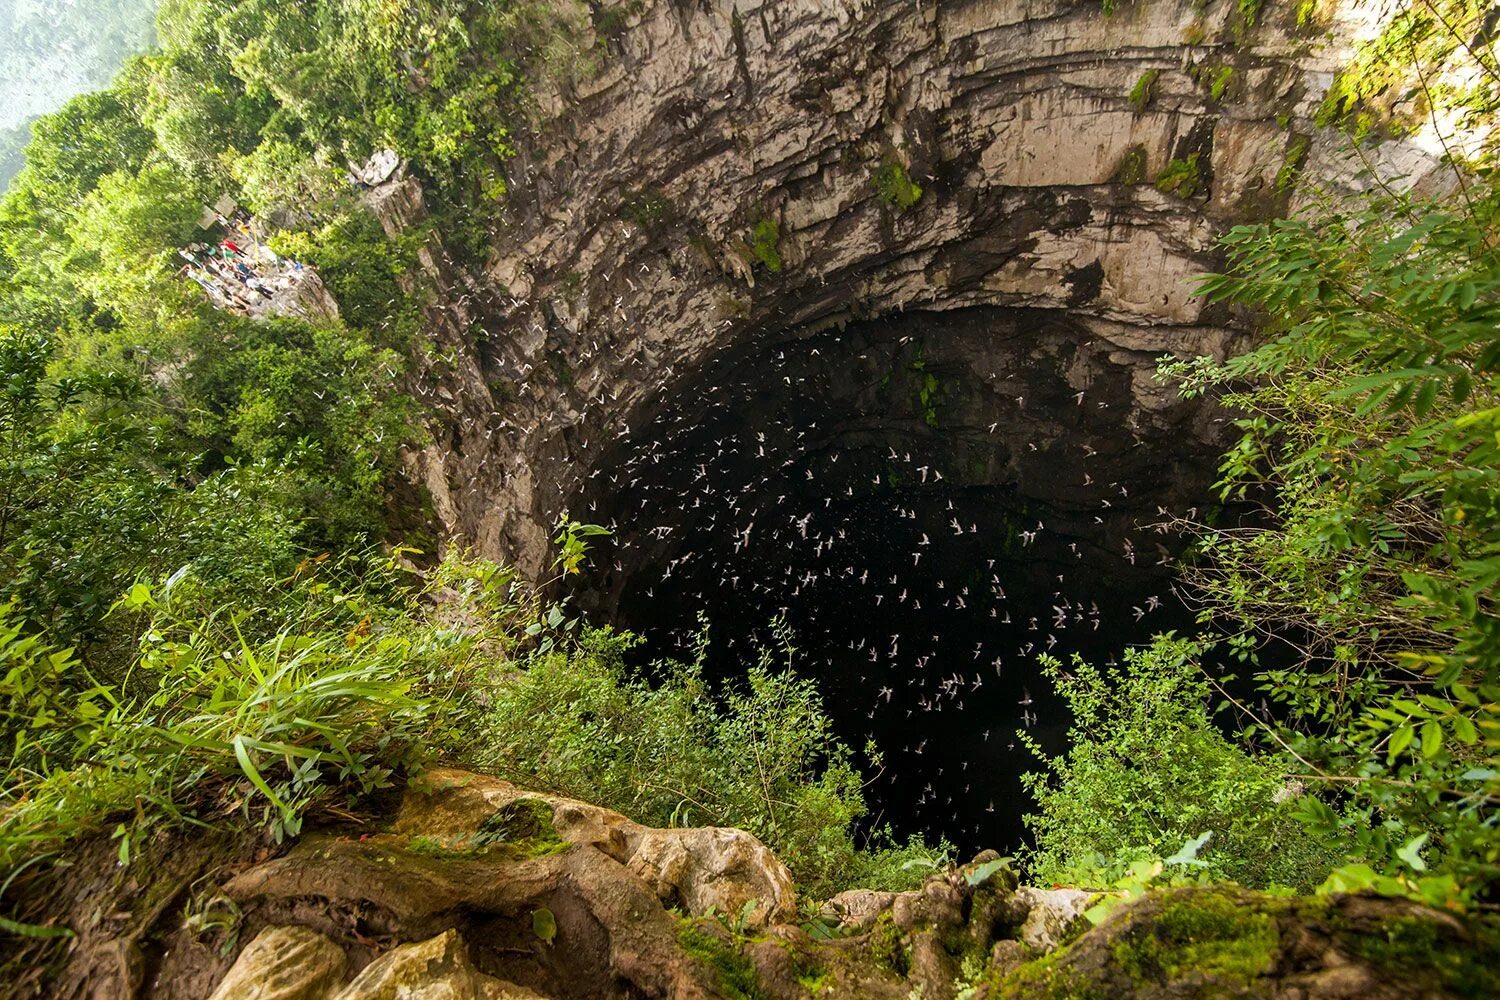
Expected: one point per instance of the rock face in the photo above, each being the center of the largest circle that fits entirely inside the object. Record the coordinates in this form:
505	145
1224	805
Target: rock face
284	963
737	172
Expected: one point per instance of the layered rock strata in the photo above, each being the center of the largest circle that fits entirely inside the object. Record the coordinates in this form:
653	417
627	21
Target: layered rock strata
735	171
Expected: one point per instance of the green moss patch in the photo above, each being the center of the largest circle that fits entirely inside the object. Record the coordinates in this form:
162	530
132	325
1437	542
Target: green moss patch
896	188
1208	936
734	976
1182	177
1416	950
1046	978
1132	166
1144	90
886	946
765	244
1220	82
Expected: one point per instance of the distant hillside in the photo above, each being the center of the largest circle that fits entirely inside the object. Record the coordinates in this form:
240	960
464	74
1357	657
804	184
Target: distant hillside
51	51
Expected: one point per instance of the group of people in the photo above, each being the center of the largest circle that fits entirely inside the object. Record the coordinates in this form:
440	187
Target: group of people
240	274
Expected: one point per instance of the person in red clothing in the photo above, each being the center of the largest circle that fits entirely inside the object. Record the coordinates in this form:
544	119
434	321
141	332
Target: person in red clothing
230	245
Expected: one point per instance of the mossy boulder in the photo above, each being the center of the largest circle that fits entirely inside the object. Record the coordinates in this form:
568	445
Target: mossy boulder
1223	941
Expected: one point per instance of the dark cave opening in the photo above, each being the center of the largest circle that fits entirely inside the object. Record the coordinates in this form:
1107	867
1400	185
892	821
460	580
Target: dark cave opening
930	500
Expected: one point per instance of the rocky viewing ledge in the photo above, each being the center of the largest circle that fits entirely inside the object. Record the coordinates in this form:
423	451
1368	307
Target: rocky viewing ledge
480	889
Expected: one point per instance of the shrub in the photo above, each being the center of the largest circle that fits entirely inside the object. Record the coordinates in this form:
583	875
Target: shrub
762	756
1368	444
1146	769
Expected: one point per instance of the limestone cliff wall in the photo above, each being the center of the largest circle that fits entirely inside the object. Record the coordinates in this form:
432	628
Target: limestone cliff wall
629	251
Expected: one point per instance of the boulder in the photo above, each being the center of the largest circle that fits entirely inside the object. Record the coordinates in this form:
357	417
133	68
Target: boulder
450	804
1051	915
858	908
699	870
436	969
284	963
715	868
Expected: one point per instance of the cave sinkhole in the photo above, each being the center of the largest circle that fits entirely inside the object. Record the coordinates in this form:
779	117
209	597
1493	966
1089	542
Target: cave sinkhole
930	500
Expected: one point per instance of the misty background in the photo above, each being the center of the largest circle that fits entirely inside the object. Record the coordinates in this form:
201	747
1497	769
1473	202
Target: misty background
52	50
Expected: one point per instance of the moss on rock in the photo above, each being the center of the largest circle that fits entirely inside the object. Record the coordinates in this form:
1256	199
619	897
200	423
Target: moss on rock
1144	90
1213	937
734	974
896	188
886	946
1132	166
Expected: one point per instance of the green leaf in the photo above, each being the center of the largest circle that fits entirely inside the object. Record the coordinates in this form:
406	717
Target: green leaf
1187	854
1432	739
984	871
1411	854
242	754
10	926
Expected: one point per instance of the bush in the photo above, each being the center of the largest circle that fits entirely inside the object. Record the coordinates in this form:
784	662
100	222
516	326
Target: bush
763	757
1147	769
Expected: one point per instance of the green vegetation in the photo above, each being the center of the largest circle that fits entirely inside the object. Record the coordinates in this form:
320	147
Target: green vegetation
1354	593
1368	429
207	617
1181	177
763	757
1132	166
1147	769
1413	947
1291	163
734	975
51	52
1220	82
1423	59
887	946
896	188
1144	90
1207	935
765	244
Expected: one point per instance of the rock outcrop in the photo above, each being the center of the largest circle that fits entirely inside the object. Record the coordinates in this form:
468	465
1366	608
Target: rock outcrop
736	171
479	889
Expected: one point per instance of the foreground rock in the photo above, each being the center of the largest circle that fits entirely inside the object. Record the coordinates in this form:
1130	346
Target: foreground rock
479	889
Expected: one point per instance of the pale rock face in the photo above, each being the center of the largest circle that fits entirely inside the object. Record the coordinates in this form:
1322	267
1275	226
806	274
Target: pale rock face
284	963
1051	915
624	258
435	969
719	869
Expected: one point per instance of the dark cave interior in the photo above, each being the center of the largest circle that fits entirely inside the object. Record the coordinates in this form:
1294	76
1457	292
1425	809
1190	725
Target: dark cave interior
931	500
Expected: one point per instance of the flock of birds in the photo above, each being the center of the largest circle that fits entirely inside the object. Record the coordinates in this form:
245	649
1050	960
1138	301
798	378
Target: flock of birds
919	598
